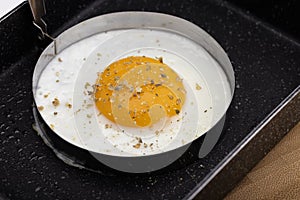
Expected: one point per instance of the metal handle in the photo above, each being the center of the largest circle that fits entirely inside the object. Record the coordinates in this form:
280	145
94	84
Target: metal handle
38	11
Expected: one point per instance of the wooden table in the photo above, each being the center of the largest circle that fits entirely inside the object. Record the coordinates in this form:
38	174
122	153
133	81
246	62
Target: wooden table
277	176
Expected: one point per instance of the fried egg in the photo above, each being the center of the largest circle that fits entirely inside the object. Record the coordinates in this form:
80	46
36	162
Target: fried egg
130	92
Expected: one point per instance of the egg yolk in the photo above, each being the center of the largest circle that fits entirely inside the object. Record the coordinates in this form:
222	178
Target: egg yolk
138	91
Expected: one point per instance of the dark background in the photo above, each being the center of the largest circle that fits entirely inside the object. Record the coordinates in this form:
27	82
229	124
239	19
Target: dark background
282	14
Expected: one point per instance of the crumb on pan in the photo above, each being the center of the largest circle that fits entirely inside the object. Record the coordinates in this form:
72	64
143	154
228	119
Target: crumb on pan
55	102
139	140
52	126
89	116
137	146
69	105
108	126
40	108
160	59
87	84
198	87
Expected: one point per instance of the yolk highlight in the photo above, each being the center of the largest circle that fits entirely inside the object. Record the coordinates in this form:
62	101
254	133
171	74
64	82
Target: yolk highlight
149	87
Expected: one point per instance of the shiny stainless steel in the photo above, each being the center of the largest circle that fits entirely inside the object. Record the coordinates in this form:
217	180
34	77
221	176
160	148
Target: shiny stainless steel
38	11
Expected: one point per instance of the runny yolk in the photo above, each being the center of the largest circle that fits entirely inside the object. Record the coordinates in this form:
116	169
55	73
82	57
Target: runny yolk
138	91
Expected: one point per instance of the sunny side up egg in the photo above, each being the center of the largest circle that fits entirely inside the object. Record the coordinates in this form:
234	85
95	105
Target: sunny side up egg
80	95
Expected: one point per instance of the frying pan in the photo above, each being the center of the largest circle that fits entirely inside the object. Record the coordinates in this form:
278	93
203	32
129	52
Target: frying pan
107	32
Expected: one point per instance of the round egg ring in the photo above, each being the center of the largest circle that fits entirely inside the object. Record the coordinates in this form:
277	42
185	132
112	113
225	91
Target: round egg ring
93	45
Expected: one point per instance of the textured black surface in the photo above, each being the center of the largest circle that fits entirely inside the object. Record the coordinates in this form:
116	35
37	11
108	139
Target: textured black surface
15	40
266	67
284	15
